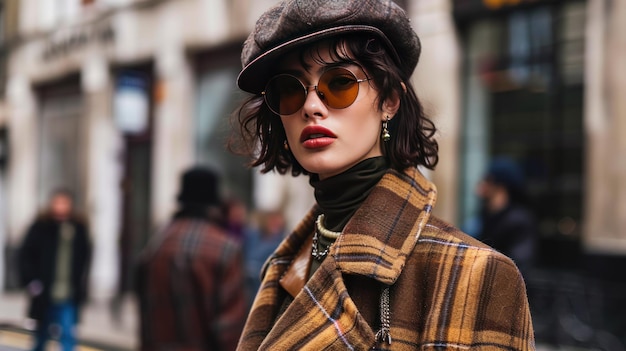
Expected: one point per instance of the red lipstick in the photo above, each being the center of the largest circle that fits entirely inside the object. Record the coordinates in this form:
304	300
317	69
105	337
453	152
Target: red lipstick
313	137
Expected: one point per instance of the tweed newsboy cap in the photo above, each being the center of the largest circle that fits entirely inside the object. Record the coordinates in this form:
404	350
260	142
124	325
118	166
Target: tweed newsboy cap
293	23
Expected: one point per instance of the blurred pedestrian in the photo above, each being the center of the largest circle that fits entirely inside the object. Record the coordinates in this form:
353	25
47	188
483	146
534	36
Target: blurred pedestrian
370	266
259	243
506	222
190	276
54	266
235	218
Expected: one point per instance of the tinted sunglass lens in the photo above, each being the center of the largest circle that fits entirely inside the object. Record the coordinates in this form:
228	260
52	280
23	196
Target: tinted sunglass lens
339	87
285	94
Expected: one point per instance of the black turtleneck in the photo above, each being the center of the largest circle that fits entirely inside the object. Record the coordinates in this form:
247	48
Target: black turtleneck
341	195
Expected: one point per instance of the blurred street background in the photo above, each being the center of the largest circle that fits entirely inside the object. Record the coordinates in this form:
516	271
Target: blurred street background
113	99
99	329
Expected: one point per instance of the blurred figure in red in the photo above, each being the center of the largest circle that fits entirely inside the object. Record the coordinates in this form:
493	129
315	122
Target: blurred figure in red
54	266
190	276
507	223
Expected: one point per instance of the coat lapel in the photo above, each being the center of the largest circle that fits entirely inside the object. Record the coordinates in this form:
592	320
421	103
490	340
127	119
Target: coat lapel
321	317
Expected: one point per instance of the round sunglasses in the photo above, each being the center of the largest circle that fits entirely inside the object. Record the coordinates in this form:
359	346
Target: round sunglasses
337	87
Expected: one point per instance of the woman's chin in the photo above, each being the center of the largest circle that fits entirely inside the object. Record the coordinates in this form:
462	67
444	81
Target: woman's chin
315	164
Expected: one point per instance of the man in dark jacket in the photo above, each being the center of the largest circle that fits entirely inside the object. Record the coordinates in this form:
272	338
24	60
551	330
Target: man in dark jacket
190	276
54	265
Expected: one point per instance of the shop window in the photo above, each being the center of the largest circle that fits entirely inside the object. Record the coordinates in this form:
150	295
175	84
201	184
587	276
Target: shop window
524	99
61	160
217	98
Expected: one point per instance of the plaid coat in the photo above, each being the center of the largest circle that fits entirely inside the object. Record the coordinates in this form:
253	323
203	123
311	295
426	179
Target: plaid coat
191	289
446	289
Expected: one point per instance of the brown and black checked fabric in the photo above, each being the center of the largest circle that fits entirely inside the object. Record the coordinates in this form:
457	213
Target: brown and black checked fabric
448	291
191	289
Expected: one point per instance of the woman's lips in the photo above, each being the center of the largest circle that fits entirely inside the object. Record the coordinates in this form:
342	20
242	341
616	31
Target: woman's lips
313	137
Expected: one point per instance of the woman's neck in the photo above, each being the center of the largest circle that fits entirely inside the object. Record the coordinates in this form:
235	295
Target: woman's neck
341	195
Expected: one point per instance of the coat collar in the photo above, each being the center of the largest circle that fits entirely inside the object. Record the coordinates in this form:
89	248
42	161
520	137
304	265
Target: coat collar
376	244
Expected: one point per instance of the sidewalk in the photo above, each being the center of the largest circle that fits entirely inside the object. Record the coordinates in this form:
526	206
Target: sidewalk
97	325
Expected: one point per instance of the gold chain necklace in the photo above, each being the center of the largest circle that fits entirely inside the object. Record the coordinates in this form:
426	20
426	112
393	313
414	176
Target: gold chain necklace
320	230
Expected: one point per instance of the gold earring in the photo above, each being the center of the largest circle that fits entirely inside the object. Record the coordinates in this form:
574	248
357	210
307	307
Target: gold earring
386	136
285	145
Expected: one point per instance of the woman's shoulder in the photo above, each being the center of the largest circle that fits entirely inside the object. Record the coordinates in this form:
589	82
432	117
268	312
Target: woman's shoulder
443	249
439	236
439	229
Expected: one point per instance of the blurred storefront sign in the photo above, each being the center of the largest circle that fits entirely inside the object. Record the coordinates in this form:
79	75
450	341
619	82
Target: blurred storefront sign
66	43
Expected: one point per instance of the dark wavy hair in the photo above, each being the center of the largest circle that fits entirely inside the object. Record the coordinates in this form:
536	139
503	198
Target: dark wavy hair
259	133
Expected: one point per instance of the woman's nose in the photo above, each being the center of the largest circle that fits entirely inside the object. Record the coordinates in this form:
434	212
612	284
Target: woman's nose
314	103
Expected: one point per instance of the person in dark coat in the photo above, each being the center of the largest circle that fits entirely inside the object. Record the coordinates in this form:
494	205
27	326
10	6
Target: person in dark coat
189	278
507	223
54	265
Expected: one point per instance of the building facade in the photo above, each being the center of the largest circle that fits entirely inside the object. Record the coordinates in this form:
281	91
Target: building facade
113	100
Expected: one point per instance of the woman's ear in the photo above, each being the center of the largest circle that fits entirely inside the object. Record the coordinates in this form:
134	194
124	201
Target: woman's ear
392	105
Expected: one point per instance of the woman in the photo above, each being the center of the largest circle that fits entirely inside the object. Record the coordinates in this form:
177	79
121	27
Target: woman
369	267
